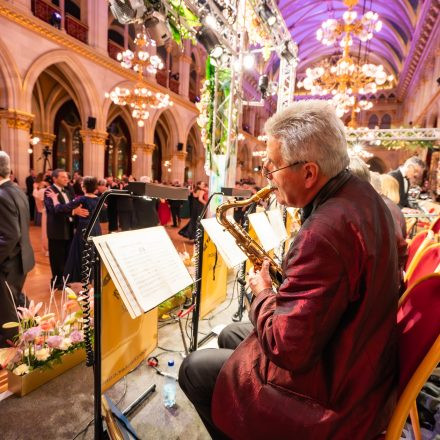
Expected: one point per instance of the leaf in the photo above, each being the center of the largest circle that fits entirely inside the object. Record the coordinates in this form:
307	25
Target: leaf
11	324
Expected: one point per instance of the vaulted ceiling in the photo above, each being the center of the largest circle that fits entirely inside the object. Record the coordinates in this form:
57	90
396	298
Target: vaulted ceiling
389	47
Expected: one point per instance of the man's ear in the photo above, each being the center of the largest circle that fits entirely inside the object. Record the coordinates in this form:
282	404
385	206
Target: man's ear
311	174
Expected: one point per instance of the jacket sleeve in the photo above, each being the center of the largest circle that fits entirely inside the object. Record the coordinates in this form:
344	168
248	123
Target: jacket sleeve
294	325
61	208
9	229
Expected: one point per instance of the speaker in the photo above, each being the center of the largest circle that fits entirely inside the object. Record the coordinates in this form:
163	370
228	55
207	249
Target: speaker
180	146
91	122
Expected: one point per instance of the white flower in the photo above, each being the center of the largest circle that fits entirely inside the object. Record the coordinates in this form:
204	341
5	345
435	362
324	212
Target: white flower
21	370
42	354
65	344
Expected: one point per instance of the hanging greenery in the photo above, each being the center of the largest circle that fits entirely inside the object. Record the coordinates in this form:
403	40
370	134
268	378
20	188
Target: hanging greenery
398	144
180	32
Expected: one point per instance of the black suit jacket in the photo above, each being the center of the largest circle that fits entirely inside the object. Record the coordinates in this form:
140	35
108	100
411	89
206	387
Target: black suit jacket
14	227
59	224
403	195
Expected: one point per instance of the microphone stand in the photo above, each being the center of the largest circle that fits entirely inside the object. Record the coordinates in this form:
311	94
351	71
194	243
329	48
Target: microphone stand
198	274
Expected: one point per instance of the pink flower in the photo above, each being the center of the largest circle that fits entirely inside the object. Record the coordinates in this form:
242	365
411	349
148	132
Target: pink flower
54	341
76	336
32	333
29	312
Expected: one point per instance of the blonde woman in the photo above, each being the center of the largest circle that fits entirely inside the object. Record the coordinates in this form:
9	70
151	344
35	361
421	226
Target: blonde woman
390	187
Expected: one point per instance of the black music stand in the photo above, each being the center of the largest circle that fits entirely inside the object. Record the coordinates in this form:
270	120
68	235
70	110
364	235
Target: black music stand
94	358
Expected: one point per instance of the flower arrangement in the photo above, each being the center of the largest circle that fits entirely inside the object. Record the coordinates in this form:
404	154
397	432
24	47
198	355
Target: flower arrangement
43	339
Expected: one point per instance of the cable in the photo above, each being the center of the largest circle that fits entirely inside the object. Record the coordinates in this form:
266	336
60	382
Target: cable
86	270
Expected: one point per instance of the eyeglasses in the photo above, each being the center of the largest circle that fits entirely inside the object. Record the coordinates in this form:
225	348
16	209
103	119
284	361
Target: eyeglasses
266	173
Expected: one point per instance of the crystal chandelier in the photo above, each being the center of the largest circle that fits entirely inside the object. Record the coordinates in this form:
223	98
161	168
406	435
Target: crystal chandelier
363	27
140	98
346	79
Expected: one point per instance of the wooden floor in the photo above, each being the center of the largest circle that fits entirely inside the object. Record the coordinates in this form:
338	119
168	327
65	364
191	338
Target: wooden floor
37	285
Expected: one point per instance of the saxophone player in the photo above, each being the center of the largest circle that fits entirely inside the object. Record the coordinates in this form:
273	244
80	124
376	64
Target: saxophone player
319	358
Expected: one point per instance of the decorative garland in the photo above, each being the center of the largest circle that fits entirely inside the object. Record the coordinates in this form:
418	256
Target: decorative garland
178	31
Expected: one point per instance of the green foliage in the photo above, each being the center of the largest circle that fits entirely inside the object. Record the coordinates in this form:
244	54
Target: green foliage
179	32
398	144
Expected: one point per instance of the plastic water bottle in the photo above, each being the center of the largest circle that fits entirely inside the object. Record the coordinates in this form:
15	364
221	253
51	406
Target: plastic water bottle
169	388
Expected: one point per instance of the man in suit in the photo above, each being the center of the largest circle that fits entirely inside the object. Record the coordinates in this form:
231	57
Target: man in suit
60	225
16	254
407	175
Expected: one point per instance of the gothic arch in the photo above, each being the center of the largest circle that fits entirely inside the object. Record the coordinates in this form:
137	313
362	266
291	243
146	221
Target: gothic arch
169	120
78	77
10	80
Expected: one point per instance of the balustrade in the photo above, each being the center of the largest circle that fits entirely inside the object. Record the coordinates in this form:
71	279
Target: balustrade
43	10
76	28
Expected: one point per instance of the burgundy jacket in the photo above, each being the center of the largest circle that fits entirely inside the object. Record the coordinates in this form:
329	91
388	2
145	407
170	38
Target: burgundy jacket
322	360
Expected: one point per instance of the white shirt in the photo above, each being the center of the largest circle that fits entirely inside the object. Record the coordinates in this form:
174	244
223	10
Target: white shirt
63	192
405	180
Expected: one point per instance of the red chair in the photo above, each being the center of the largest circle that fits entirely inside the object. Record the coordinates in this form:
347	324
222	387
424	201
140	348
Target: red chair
435	225
418	326
424	264
421	241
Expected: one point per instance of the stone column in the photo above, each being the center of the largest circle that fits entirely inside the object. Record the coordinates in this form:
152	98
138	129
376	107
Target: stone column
15	140
97	21
184	72
144	161
46	140
93	152
178	166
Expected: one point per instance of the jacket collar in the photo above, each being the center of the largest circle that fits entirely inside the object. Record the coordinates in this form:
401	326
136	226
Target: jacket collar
327	191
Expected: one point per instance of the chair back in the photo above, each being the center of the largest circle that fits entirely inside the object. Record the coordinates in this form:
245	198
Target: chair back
421	241
418	347
425	263
418	324
435	225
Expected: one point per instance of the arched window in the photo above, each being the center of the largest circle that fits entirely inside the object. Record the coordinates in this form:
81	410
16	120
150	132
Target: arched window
157	158
373	121
68	144
385	121
118	151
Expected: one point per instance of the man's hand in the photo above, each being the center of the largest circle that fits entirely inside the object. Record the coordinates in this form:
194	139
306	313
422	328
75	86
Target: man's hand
80	211
260	280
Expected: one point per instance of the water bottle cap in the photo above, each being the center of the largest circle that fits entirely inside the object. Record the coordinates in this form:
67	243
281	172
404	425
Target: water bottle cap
171	363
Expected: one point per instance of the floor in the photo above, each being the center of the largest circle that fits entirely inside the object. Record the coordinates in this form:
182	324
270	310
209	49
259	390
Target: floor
63	408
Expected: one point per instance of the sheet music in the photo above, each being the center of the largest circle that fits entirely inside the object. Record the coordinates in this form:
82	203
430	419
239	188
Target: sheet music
128	299
276	221
146	266
224	242
264	231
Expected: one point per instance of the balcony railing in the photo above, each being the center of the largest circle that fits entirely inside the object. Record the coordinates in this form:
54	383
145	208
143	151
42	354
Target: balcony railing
43	10
192	95
161	78
76	28
174	85
113	49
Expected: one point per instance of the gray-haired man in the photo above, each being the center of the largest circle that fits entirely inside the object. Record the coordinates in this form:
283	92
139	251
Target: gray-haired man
16	254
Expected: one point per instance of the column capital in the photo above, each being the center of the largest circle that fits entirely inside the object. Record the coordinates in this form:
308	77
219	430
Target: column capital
95	136
17	119
185	58
45	138
180	154
148	148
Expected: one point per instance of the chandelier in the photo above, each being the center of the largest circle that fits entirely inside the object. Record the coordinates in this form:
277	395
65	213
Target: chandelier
346	79
140	98
363	27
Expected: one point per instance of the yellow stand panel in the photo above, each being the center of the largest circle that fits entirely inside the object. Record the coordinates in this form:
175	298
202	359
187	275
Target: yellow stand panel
214	277
125	342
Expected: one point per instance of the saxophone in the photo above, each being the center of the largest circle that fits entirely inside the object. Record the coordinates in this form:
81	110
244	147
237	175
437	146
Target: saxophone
250	247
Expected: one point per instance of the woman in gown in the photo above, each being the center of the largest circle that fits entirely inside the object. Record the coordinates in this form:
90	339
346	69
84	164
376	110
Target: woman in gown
200	197
88	201
164	212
